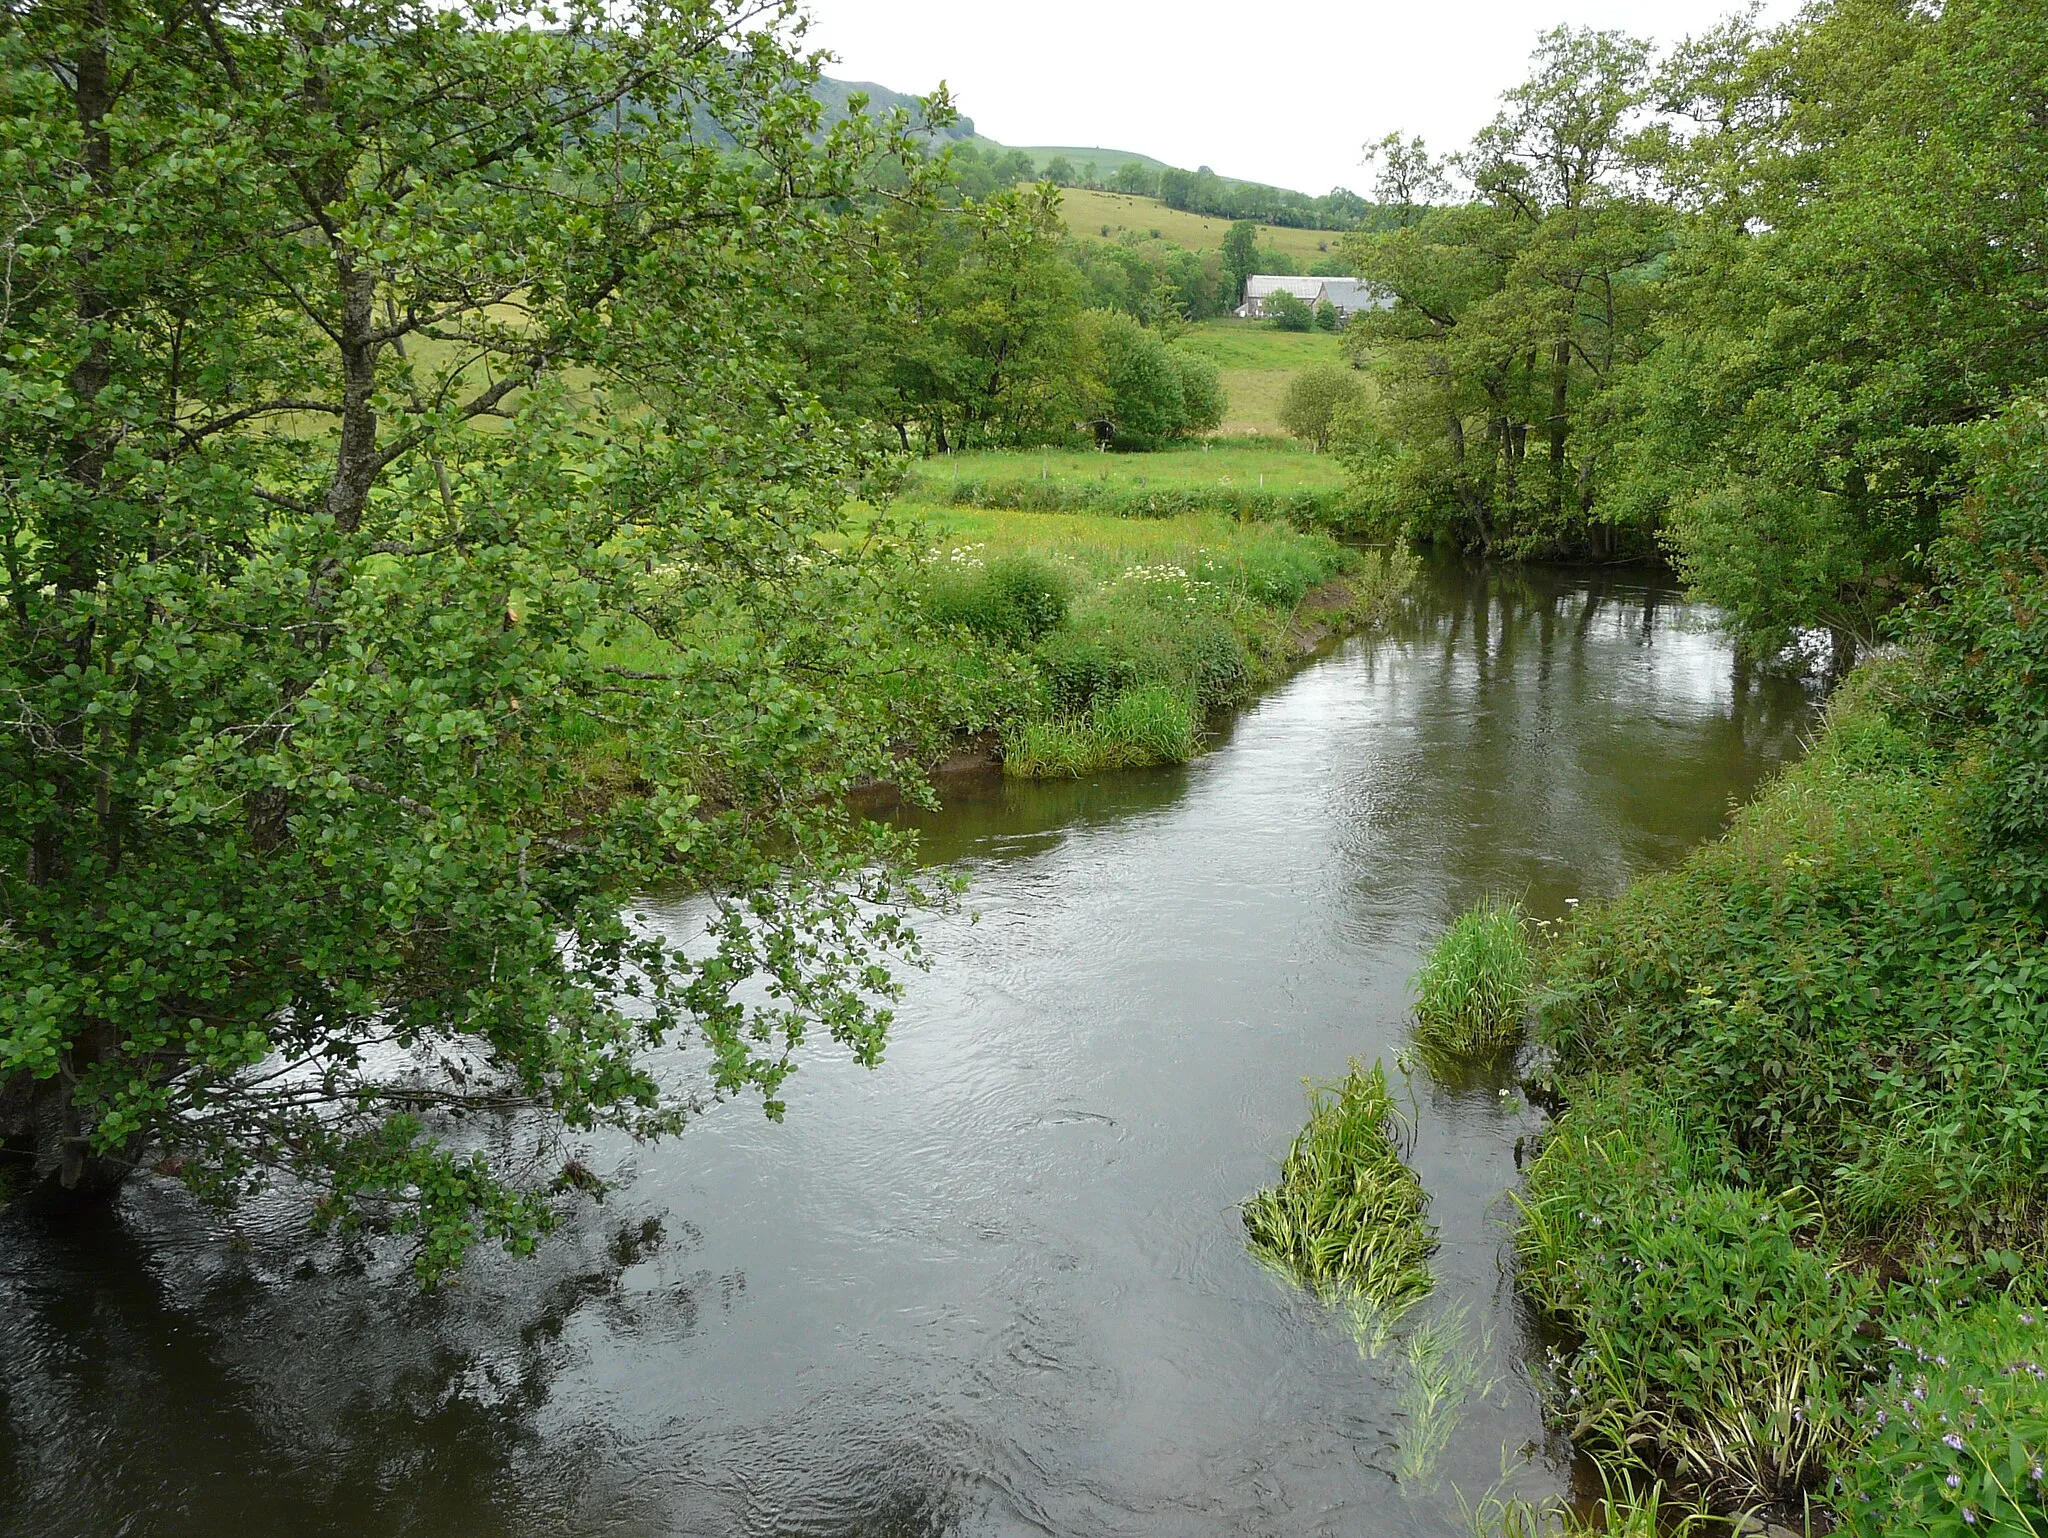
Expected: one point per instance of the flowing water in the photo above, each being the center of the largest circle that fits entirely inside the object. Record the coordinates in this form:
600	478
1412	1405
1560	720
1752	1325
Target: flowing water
999	1285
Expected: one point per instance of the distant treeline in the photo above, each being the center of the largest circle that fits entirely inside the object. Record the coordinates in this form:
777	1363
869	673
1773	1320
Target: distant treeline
1196	192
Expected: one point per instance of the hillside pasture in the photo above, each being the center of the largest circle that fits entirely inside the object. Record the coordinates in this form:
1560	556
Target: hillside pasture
1087	214
1256	363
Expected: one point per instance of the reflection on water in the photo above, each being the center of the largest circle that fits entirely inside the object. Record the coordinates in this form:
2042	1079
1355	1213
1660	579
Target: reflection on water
997	1286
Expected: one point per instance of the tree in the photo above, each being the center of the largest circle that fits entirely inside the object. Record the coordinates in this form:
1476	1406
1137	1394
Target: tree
1518	309
1060	171
1314	400
413	552
1240	256
1203	402
1287	313
1138	385
1858	282
1327	318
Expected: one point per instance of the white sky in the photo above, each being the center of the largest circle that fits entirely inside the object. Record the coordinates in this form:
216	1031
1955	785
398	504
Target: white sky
1284	93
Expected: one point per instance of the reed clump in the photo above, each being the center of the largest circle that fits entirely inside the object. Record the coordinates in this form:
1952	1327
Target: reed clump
1474	985
1345	1219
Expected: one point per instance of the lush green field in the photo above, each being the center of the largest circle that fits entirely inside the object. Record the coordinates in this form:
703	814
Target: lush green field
1090	214
1277	466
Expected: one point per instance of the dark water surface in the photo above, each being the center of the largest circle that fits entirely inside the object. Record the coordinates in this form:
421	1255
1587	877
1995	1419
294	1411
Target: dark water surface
997	1286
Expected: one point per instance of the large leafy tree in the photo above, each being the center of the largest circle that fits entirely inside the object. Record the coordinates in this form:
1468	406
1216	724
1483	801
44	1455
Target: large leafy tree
1516	307
412	551
1861	277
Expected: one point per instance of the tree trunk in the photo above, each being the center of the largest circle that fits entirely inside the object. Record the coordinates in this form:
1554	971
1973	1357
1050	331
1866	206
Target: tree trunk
1560	401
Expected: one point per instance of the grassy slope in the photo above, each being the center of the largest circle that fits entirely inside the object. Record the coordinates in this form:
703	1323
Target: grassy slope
1088	212
1256	363
1805	1081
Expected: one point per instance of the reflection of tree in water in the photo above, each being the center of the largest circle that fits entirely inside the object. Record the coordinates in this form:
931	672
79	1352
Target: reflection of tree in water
1570	728
156	1385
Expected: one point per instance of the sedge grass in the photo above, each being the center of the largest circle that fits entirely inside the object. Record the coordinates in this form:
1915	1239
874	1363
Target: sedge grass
1474	984
1140	728
1345	1219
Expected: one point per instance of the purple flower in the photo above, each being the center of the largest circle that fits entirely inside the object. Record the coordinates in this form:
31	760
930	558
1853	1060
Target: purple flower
1954	1441
1880	1417
1955	1481
1969	1516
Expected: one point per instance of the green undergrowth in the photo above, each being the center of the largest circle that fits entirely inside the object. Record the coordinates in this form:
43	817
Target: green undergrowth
1474	984
1803	1168
1117	640
1345	1220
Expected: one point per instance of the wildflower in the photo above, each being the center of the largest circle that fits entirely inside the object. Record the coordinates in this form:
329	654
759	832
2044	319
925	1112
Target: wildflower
1955	1481
1969	1516
1880	1418
1954	1441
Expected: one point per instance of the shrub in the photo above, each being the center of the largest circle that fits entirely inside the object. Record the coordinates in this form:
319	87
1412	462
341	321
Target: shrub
1345	1219
1315	398
1955	1439
1474	983
1287	313
1012	601
1832	985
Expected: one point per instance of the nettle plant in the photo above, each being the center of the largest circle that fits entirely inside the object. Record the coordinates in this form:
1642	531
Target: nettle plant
1956	1437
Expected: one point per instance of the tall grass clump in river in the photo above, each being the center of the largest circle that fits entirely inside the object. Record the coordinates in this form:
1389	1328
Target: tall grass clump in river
1345	1219
1474	984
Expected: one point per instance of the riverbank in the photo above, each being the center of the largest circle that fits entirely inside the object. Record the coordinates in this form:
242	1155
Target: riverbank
1791	1216
1109	642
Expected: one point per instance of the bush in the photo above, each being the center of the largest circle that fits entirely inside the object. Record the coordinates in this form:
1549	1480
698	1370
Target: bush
1954	1440
1474	984
1314	401
1287	313
1832	984
1012	601
1345	1219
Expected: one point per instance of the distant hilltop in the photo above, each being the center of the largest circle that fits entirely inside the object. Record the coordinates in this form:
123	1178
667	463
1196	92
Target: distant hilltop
1200	191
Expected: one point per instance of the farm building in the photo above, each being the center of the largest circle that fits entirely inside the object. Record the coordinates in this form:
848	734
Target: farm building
1347	294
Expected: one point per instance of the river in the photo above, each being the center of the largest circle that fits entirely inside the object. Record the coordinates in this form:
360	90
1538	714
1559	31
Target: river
998	1285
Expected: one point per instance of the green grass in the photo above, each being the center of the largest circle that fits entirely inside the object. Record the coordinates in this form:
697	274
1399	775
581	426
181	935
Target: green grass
1621	1513
1142	627
1255	344
1345	1219
1087	212
1715	1326
1256	364
1474	984
1139	728
1222	467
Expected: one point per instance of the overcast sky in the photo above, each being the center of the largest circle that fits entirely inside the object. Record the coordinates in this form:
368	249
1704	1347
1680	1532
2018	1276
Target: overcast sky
1282	93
